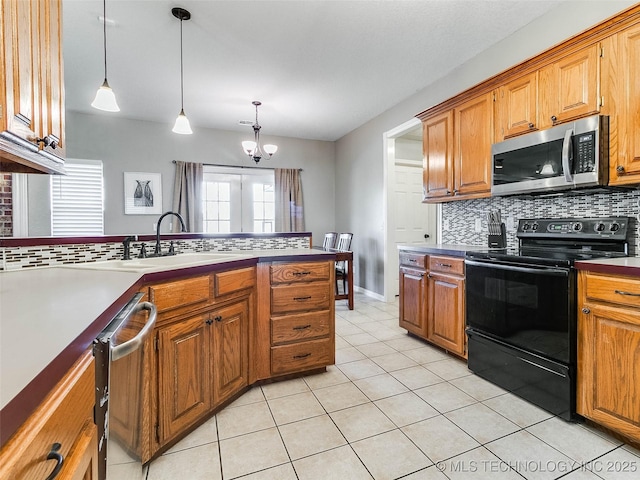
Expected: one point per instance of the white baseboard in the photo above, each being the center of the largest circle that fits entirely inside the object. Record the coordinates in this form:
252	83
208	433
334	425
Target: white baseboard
368	293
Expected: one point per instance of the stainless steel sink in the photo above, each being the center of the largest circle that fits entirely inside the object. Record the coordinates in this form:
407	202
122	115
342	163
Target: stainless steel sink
162	263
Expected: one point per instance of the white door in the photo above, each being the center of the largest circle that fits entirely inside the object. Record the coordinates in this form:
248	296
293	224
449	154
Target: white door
415	222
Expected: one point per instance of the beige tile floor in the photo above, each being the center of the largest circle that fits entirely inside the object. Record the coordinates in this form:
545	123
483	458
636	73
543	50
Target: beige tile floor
392	407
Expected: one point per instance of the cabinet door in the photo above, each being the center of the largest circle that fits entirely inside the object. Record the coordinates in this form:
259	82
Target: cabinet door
230	350
184	374
437	145
472	149
413	296
82	462
518	106
570	88
445	318
608	368
626	168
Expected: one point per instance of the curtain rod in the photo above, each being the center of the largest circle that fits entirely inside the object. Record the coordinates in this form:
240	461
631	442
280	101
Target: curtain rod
235	166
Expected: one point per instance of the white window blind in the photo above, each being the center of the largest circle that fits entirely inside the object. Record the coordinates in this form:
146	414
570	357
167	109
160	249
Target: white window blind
77	205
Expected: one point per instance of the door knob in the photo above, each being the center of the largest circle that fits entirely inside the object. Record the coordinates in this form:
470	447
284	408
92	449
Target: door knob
426	235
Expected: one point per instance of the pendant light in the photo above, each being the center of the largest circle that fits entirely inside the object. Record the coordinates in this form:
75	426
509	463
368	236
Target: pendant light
182	122
252	148
105	98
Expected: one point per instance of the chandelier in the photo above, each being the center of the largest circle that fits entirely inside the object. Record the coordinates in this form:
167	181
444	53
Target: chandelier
252	148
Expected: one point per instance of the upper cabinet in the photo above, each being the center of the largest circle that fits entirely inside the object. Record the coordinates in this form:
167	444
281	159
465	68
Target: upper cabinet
621	93
457	151
569	88
517	106
31	87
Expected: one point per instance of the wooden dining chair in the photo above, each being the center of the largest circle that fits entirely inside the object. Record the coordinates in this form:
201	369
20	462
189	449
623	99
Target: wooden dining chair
330	239
343	244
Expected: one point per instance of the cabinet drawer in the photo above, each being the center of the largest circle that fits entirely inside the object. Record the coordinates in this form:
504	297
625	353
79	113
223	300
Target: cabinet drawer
613	289
181	293
234	280
303	326
299	272
301	297
446	265
61	418
301	356
414	260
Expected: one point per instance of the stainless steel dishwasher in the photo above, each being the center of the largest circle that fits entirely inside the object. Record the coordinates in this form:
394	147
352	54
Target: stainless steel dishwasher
120	362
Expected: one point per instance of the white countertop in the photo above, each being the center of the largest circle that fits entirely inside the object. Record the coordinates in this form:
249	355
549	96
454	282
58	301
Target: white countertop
43	310
621	266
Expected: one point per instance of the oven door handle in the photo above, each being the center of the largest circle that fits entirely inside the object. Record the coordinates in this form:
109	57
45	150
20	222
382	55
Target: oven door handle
560	272
129	346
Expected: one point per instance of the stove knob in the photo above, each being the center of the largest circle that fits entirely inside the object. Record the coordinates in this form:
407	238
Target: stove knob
600	227
534	227
577	226
526	227
614	227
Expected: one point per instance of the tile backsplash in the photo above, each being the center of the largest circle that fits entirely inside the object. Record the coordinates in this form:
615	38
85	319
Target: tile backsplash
460	217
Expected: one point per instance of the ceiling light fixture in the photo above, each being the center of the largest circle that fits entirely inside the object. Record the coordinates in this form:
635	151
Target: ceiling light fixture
182	122
105	98
252	148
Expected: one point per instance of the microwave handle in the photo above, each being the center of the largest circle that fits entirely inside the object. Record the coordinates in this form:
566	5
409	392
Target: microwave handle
567	155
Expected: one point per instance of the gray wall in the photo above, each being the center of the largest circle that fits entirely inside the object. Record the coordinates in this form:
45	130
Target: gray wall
138	146
359	155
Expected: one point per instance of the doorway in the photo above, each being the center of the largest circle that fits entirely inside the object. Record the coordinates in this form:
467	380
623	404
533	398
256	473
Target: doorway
408	220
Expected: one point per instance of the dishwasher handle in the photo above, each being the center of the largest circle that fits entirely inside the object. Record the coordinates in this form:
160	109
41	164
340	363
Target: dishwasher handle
129	346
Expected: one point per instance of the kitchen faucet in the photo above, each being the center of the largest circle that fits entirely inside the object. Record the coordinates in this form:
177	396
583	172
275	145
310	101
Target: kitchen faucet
158	251
126	243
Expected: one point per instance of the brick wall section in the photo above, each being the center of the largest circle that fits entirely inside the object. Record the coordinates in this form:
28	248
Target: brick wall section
6	206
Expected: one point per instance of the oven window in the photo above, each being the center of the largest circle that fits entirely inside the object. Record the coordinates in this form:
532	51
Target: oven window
525	307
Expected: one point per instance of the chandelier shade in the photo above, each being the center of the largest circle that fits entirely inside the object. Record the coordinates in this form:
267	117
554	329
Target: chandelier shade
105	99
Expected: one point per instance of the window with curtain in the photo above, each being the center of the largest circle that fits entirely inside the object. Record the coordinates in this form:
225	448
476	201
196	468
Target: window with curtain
238	200
77	199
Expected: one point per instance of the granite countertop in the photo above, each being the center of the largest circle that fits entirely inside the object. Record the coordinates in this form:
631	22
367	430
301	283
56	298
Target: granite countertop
454	250
617	266
49	316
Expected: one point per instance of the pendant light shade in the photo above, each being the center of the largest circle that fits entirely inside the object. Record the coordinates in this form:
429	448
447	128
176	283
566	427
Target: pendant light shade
182	125
105	98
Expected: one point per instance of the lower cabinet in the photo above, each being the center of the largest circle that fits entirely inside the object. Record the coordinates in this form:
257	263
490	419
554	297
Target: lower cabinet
608	382
432	299
63	423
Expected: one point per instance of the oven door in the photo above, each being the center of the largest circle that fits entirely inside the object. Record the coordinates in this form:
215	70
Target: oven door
528	306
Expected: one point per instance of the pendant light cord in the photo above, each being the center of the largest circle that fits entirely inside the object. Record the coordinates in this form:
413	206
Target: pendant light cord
181	71
104	34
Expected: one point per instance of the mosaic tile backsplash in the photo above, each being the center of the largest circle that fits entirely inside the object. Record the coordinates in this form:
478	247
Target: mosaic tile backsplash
459	218
14	258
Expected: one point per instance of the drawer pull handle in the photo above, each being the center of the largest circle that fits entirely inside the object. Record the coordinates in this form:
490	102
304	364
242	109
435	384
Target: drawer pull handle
301	274
54	455
302	299
448	265
304	355
302	327
413	260
620	292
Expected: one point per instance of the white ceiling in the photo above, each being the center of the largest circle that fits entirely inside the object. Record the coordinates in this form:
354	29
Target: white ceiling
321	68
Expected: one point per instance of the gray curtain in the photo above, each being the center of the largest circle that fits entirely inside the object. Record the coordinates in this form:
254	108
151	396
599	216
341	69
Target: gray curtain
187	195
289	209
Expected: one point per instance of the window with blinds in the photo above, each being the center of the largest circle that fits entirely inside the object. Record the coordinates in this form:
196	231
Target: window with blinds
77	199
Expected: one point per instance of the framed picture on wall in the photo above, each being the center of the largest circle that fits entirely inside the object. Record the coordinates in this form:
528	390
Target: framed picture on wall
142	193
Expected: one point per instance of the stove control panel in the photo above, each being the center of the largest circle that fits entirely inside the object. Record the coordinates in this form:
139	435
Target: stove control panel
608	227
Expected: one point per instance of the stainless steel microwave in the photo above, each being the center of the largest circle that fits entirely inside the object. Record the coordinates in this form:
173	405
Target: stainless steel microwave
569	156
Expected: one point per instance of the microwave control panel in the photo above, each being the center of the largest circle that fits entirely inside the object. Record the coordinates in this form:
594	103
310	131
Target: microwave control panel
585	152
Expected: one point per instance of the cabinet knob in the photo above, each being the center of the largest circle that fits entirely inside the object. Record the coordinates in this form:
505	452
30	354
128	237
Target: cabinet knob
531	125
208	321
58	457
620	169
554	119
585	310
218	318
455	190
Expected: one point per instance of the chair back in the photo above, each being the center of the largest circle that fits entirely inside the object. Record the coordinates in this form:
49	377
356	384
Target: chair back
330	240
344	241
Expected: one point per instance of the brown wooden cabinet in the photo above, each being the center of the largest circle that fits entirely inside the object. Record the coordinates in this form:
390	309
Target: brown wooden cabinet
31	82
457	151
608	350
569	88
432	299
64	417
621	90
517	107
